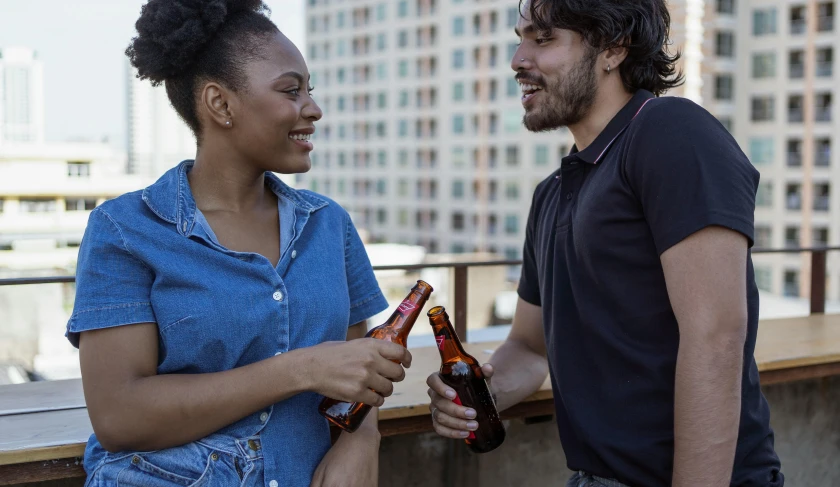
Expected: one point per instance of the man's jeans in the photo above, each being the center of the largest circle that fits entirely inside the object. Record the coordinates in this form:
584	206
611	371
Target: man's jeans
583	479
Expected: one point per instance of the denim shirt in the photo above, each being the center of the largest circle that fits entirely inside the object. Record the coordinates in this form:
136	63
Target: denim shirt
150	257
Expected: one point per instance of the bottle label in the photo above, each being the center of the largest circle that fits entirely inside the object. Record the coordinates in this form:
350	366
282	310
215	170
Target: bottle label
440	339
457	401
406	307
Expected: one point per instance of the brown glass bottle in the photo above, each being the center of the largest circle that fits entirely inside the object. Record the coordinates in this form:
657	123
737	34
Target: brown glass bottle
462	372
349	416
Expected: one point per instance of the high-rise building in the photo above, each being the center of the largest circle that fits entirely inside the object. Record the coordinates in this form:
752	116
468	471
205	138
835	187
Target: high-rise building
787	122
157	137
422	139
21	96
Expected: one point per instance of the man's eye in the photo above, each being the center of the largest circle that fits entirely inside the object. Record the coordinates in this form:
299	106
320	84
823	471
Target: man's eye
542	40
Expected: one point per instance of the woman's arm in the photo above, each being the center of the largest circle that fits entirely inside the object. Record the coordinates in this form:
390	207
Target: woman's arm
133	408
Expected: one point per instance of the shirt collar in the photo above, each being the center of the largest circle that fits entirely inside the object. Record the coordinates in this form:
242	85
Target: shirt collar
596	150
170	198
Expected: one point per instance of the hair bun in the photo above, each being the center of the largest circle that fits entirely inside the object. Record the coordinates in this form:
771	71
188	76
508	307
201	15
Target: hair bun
171	33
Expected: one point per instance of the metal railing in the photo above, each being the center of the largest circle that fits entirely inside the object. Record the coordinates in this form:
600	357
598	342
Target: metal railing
461	278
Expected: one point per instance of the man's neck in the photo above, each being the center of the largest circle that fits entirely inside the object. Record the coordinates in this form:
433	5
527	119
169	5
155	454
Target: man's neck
608	102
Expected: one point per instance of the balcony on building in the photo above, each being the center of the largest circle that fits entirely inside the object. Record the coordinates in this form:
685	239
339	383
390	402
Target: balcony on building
795	109
822	152
794	153
798	23
793	197
823	107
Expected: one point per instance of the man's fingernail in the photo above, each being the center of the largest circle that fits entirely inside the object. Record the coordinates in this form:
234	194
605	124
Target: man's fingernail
464	434
472	425
450	394
470	413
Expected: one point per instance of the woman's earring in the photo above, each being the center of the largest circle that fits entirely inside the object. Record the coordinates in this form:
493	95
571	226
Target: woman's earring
227	123
608	69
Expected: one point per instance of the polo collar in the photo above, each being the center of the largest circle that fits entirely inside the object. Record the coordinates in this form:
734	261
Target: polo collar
170	198
596	150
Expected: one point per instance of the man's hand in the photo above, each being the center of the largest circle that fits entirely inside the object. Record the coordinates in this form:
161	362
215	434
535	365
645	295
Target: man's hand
451	420
353	461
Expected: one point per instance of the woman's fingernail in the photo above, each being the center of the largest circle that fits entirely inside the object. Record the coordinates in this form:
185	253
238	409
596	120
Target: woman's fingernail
464	434
470	413
450	394
472	425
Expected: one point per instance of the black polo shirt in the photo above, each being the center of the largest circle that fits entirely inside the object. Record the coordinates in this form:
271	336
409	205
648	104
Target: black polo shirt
661	170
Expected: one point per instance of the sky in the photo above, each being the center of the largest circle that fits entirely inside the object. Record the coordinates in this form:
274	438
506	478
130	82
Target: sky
82	45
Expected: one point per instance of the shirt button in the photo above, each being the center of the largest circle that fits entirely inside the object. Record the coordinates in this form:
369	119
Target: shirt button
278	296
273	483
264	417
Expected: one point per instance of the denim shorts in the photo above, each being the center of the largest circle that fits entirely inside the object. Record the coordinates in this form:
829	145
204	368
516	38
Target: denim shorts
212	461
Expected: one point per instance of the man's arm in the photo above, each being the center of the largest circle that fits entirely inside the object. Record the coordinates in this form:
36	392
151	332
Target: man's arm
518	368
706	280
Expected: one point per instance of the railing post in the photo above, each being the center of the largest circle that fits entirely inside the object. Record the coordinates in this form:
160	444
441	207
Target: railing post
461	302
817	282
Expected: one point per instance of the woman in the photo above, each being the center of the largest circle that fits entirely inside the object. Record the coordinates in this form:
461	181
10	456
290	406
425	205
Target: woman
212	307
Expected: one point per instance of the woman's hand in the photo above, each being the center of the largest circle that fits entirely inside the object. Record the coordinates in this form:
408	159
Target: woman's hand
449	419
352	371
354	459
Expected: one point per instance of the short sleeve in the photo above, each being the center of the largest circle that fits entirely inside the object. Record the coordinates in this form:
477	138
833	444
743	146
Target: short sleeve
529	285
689	173
366	298
112	286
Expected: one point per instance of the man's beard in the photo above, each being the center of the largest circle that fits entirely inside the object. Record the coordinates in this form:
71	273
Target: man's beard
566	99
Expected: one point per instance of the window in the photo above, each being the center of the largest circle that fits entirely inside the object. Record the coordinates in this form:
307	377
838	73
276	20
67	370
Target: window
825	17
382	100
820	237
513	89
404	98
725	44
512	155
726	122
2	201
458	124
822	193
763	108
402	8
458	26
403	128
381	11
403	158
823	107
77	169
37	205
793	197
797	20
512	120
340	75
457	189
763	236
381	216
796	108
402	217
825	62
764	196
512	17
764	278
511	224
723	87
458	91
541	155
403	68
794	152
458	58
458	157
457	221
339	20
822	152
402	38
382	71
512	190
761	150
791	284
79	204
796	64
381	187
382	41
764	65
381	129
726	7
764	21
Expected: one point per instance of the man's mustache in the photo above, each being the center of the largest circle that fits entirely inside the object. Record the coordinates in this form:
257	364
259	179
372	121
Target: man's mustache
528	79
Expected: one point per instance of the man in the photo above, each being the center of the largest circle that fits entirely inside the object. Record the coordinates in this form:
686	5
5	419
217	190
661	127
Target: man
637	290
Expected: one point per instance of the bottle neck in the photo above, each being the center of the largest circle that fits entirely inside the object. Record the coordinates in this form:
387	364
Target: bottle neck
406	314
448	343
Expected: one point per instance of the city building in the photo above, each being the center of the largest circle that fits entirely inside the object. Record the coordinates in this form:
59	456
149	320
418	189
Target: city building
21	96
786	94
157	137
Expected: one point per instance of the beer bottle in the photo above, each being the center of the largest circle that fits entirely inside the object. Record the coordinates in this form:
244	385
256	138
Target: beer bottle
462	372
349	416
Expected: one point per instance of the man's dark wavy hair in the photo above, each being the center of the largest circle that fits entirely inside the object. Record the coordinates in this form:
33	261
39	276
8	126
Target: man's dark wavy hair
640	26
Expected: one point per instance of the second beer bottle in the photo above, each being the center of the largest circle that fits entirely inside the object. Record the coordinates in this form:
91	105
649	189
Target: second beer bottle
462	372
349	416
